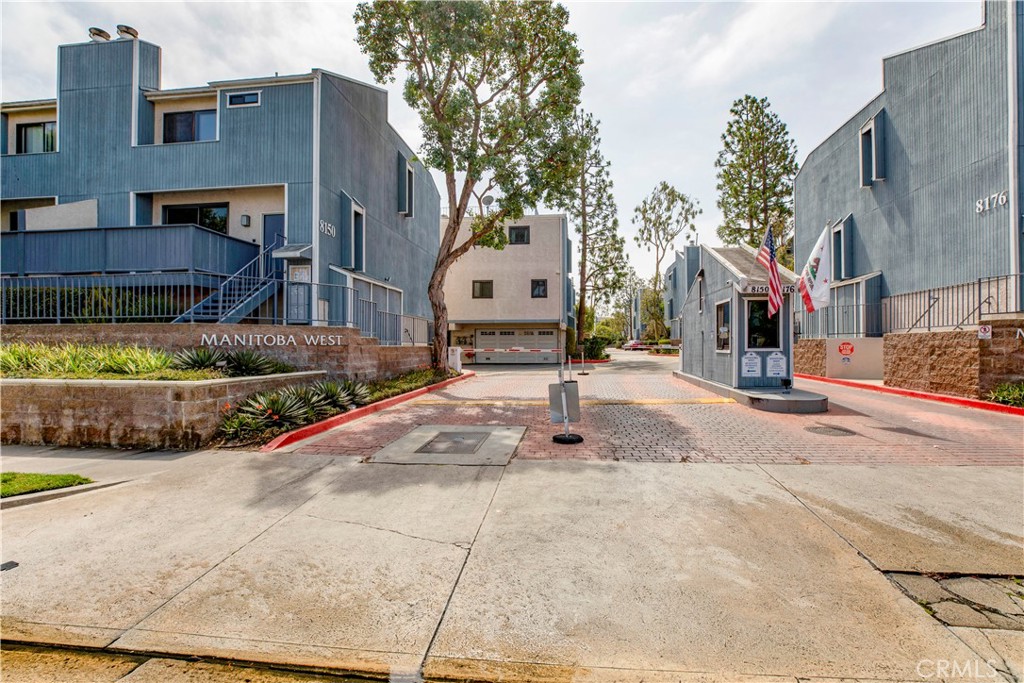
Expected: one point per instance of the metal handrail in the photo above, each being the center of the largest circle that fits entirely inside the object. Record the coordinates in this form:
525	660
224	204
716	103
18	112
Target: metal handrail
232	284
970	314
934	300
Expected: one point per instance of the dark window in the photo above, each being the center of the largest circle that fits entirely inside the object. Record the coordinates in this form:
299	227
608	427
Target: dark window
519	234
722	331
867	158
358	241
483	289
34	138
190	126
212	216
838	254
700	295
15	221
762	331
539	289
243	98
409	177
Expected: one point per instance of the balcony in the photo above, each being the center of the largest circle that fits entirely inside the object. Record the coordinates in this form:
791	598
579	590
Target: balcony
142	249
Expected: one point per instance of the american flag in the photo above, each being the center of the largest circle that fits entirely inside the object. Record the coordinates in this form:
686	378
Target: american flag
766	257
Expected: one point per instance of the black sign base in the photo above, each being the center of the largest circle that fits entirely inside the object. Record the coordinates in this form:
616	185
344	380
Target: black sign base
567	438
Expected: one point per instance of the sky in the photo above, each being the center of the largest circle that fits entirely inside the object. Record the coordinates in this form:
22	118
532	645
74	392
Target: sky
660	76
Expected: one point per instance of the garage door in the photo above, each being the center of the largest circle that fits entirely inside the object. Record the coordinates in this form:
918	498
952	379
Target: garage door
517	346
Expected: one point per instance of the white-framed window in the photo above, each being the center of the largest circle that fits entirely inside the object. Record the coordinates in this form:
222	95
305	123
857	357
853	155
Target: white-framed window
244	99
763	331
723	326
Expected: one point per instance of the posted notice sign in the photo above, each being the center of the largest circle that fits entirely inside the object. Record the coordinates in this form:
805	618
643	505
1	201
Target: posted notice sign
750	365
984	331
777	365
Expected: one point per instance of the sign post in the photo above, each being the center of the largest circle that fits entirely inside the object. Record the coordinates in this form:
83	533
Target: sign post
564	404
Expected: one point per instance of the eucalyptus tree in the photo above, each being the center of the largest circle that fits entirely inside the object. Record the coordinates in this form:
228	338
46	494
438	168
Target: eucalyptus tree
756	169
494	84
591	208
660	218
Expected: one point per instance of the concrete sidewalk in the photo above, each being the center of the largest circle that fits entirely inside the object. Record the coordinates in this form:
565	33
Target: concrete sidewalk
539	570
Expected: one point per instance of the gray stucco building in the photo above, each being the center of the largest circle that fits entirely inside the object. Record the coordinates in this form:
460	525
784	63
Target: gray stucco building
298	177
921	188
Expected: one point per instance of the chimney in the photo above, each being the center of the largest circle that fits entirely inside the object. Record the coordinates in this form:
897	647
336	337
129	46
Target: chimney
98	35
127	32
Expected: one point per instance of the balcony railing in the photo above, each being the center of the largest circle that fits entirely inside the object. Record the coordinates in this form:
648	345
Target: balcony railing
166	297
941	308
157	248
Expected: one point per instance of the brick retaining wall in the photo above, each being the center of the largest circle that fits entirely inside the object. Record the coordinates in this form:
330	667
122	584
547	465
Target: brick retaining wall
955	362
339	351
125	413
809	357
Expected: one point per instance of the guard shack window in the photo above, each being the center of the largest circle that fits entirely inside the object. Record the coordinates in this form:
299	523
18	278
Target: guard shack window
722	331
762	331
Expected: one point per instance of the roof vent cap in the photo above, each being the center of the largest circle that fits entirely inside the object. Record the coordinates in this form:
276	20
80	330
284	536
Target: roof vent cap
125	31
98	35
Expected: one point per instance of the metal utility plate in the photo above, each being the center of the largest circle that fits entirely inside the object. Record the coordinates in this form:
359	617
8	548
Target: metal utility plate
453	445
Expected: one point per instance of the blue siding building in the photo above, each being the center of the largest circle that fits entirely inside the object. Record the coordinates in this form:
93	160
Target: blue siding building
921	190
296	179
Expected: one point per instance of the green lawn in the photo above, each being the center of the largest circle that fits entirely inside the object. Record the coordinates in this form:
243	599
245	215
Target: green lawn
15	483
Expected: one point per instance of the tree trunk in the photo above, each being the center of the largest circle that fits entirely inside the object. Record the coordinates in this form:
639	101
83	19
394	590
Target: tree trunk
439	347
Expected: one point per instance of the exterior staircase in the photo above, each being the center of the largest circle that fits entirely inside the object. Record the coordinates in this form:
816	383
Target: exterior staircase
242	293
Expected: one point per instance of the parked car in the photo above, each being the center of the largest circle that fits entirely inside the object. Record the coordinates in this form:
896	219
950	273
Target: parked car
634	345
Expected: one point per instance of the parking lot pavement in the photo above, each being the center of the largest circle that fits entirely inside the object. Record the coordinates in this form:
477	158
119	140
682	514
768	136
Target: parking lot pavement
634	410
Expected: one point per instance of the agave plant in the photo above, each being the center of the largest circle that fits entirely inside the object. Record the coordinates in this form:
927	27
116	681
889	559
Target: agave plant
247	363
201	358
314	402
274	409
334	393
359	392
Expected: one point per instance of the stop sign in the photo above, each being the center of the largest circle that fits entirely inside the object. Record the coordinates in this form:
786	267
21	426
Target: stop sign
846	349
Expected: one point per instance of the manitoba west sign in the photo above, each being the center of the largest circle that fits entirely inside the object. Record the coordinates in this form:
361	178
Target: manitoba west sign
275	340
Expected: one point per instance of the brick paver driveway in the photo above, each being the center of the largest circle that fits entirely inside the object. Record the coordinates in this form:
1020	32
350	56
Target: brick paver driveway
634	409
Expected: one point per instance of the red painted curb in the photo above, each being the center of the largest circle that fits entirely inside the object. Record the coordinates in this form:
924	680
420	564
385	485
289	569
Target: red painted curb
593	362
941	398
322	426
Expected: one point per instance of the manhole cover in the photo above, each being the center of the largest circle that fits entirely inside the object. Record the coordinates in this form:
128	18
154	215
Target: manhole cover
830	430
454	443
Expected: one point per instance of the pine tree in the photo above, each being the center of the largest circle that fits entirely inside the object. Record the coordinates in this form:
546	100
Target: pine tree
756	169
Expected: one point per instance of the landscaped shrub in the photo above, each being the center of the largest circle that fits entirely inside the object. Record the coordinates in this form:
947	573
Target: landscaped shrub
360	392
202	358
241	363
337	395
594	347
263	415
20	359
1009	393
248	363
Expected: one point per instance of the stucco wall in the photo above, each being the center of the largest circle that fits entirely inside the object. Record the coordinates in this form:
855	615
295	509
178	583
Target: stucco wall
125	413
74	215
338	351
8	206
161	107
18	118
957	362
253	201
511	271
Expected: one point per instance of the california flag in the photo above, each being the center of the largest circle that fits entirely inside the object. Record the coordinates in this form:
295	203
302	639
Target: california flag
814	280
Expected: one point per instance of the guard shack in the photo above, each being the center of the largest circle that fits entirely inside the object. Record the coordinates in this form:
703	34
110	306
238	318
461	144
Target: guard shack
730	344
